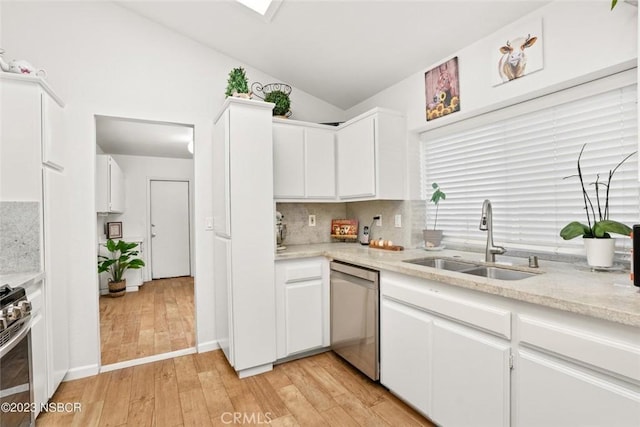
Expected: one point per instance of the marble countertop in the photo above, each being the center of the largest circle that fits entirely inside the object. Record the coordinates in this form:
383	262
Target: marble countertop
21	279
564	286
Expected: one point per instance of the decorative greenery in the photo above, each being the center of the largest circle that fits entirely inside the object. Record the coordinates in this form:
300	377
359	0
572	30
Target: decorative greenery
613	3
237	82
282	101
601	225
121	259
437	195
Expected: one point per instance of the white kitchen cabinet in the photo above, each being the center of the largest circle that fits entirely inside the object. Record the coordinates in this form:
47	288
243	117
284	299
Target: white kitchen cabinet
302	305
304	161
32	168
470	370
441	352
371	156
110	185
405	353
572	374
244	241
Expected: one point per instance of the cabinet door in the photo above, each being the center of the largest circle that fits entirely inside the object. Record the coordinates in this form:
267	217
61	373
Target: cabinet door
221	201
55	266
470	377
553	393
405	342
288	161
320	164
116	187
53	136
223	296
304	319
356	159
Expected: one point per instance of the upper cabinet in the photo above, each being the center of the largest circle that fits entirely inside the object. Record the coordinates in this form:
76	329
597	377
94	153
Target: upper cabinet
304	161
110	194
371	156
53	135
362	159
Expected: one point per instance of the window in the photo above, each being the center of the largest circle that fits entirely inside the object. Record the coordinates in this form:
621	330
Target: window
517	157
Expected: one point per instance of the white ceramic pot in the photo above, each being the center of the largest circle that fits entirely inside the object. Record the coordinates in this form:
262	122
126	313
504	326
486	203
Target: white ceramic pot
432	238
599	251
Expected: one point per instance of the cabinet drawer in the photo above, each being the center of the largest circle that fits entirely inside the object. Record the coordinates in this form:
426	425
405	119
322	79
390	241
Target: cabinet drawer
416	292
303	270
581	345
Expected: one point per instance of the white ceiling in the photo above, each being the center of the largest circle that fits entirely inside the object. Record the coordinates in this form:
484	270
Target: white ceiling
340	51
116	135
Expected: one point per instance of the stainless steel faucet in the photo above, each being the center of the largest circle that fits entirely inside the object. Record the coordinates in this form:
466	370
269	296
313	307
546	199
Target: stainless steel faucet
486	224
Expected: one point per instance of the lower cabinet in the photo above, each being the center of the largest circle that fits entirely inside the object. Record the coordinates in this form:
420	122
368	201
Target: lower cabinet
455	375
302	305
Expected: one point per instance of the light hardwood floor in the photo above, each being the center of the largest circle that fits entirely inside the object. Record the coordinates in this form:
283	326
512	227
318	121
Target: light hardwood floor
203	390
159	318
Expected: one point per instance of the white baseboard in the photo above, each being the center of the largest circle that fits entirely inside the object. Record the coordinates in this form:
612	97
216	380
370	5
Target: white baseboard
134	288
255	370
208	346
148	359
81	372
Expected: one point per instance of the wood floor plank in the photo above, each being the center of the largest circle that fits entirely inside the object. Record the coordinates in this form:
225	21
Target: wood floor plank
203	389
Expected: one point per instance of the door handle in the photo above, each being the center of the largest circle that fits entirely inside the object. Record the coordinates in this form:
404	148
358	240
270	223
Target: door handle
153	234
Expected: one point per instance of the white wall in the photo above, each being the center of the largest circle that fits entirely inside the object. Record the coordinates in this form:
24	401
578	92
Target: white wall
103	59
138	170
583	40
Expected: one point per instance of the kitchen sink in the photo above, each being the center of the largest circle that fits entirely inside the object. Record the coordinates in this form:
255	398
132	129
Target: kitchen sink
443	264
499	273
474	268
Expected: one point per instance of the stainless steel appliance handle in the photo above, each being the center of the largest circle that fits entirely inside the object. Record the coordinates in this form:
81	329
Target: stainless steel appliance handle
10	345
352	270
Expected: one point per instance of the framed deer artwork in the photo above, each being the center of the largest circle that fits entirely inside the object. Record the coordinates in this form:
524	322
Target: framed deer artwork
517	52
442	89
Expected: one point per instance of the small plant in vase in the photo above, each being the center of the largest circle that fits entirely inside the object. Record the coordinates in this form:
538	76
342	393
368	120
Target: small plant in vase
598	229
122	257
282	101
238	84
433	238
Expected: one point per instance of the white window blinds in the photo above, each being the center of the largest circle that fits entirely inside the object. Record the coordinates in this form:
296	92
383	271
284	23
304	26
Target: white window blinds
519	162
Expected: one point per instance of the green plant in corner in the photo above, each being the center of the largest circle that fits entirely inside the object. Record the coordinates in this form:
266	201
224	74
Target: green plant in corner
437	195
237	82
282	101
122	258
600	226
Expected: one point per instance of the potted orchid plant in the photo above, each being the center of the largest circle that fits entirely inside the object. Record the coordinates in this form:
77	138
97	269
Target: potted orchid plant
433	238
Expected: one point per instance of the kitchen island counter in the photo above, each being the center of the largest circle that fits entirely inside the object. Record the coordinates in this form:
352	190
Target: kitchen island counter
560	285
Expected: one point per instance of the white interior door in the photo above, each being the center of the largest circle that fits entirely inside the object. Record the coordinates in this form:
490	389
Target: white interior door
170	240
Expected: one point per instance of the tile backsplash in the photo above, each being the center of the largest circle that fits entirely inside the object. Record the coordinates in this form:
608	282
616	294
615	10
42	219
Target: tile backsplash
296	216
19	237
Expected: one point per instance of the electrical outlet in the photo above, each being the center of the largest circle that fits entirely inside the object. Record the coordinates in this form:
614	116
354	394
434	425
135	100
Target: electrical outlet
379	220
398	221
312	220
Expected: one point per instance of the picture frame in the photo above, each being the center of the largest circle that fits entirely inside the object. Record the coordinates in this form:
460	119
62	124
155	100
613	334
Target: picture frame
517	51
114	230
442	89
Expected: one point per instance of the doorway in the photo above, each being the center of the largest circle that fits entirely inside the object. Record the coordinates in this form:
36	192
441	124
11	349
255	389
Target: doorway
170	229
157	320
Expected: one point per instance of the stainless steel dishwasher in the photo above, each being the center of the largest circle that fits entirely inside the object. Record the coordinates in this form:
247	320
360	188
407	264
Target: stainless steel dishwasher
354	316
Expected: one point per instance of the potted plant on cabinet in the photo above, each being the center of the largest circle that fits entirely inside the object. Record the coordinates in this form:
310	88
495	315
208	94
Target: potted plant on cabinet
282	101
238	84
596	233
122	257
433	238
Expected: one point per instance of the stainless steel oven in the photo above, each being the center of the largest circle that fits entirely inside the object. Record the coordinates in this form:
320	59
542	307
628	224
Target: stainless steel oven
16	389
354	316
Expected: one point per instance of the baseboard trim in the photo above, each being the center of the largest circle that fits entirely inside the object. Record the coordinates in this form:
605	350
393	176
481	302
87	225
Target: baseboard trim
208	346
249	372
81	372
148	359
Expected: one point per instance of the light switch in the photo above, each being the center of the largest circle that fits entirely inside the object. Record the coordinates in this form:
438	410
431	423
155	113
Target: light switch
398	221
312	220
